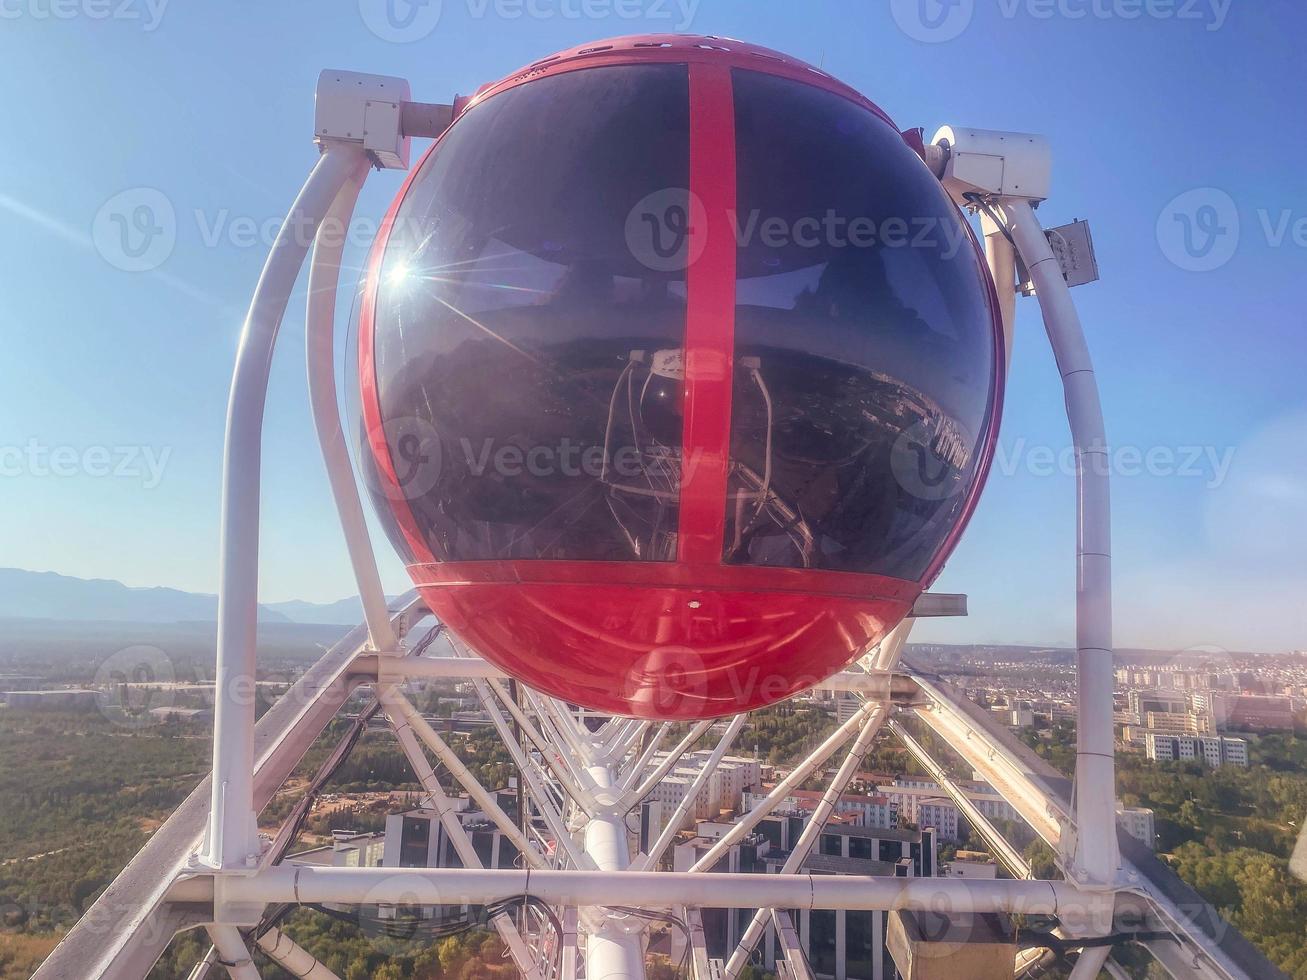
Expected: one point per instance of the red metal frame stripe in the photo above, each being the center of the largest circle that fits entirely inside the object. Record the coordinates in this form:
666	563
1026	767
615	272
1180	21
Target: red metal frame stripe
710	318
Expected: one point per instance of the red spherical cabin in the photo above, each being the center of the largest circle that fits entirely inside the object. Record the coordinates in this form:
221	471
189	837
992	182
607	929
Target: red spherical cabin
680	375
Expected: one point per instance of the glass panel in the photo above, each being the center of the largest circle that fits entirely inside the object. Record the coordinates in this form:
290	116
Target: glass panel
864	341
527	338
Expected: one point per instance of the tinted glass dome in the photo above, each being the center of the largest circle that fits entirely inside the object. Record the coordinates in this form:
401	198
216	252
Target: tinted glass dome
680	375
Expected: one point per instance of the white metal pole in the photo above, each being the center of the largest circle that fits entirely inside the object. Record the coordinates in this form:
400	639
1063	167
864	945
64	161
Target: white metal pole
544	804
790	945
309	884
292	957
890	649
235	955
232	840
1096	857
401	712
673	826
201	969
811	834
578	793
457	835
642	763
783	789
319	342
611	951
1090	963
1001	258
1008	856
654	778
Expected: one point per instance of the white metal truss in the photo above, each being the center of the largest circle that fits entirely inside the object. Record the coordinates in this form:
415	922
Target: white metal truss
583	774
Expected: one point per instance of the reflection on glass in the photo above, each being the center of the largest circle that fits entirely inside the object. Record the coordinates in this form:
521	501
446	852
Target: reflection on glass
864	342
528	362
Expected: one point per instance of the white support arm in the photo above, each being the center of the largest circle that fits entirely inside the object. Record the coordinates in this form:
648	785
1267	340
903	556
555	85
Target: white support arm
563	778
746	823
543	802
292	957
811	834
319	342
1095	859
401	713
646	787
790	945
232	840
642	763
1012	859
656	889
233	953
673	826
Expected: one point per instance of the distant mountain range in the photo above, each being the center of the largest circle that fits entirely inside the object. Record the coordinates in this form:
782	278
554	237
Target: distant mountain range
48	595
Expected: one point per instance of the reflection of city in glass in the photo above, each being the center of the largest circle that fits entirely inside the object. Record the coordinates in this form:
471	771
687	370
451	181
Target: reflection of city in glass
865	370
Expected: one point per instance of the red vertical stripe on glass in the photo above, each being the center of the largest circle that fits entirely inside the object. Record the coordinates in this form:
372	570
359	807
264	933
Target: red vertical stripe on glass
710	320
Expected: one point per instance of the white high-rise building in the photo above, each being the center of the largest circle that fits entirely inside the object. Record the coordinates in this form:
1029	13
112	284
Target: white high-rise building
1211	750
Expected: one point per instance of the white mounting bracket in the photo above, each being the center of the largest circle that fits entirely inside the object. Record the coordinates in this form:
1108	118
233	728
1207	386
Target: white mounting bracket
991	162
936	604
366	110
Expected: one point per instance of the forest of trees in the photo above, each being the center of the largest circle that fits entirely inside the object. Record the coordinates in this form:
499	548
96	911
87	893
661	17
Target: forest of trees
1228	832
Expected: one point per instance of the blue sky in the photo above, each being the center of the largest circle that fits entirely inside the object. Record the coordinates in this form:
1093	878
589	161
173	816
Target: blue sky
209	106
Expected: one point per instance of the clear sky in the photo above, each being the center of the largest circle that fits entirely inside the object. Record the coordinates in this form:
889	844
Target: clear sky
207	107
